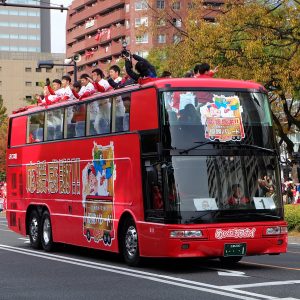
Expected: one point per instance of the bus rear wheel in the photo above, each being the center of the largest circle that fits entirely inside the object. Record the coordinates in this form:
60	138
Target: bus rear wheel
130	245
46	237
34	228
230	259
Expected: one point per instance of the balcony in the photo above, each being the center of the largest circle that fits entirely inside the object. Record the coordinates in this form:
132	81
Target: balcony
91	11
117	31
77	3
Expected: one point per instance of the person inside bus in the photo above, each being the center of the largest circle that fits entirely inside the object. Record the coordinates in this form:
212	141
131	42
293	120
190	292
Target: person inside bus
99	81
120	113
145	71
189	114
102	120
237	198
203	71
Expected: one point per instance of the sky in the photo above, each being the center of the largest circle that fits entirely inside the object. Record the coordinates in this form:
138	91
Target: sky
58	27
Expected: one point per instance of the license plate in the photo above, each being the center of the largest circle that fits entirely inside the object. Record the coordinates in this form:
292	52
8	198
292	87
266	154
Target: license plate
235	249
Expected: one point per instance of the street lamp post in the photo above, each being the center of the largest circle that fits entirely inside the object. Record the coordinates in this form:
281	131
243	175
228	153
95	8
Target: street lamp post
49	64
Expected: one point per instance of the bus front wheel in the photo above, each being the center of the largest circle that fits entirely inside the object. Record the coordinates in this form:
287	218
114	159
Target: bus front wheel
46	238
130	245
35	230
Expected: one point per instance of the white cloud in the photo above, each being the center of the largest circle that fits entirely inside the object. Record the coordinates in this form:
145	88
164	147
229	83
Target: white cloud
58	27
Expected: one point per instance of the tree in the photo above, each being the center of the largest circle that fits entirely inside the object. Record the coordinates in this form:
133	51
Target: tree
250	40
3	135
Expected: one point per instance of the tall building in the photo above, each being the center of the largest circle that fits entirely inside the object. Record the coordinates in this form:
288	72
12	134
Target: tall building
96	29
25	29
21	79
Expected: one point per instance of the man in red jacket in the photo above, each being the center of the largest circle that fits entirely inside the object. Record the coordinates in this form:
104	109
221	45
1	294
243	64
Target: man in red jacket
204	71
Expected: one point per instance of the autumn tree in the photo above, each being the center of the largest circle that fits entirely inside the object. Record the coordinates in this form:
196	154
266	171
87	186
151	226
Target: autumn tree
3	134
250	40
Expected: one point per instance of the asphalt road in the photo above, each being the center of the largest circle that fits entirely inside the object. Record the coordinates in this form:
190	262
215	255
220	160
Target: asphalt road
77	273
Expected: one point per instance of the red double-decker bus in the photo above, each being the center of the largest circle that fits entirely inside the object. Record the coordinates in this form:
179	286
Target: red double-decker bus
173	168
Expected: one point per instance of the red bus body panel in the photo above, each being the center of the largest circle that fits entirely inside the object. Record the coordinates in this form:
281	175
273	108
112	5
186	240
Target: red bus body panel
34	170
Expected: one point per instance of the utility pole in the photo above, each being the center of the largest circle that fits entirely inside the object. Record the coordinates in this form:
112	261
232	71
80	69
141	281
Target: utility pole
4	3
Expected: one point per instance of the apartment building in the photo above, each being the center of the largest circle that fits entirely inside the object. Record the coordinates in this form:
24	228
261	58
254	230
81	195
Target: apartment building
96	29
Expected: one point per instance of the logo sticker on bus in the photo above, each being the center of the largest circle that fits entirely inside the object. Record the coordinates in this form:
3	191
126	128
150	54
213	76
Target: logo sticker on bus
236	233
222	119
98	178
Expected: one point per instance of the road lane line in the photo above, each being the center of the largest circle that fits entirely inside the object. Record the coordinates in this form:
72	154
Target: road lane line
249	285
271	266
180	282
294	252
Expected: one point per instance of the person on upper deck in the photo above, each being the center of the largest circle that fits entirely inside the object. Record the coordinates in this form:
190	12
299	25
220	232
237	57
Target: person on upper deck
114	76
99	81
87	88
146	72
203	71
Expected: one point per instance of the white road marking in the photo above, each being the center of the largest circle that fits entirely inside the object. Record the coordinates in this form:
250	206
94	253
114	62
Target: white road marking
179	282
5	230
5	225
250	285
298	244
25	239
232	273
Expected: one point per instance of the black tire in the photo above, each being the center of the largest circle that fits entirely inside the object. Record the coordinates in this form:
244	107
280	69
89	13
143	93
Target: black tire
230	260
34	230
46	236
130	244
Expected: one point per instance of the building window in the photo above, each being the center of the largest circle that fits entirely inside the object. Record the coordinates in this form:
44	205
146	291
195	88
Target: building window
28	83
161	39
141	5
176	5
141	21
177	22
28	97
27	69
142	39
48	70
127	24
176	39
38	70
160	4
143	54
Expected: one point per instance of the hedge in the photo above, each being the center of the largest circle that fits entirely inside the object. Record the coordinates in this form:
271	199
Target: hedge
292	216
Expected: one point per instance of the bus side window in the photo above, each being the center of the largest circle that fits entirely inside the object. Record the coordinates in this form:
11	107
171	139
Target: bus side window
121	112
100	116
55	121
35	130
76	117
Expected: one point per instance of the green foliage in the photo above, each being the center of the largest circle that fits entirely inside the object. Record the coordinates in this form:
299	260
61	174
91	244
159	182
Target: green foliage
2	176
158	58
3	110
292	216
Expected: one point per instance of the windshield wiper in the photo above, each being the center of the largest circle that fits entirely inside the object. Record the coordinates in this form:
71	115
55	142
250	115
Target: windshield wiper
241	145
200	144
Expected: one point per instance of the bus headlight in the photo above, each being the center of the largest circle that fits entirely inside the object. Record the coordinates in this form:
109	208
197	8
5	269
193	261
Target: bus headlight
276	230
192	234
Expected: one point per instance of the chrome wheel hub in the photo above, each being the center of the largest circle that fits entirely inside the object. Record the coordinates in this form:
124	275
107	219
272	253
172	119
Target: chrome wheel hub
34	229
46	231
131	241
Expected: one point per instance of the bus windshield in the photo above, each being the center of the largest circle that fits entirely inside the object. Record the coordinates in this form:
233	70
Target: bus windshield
216	115
223	184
